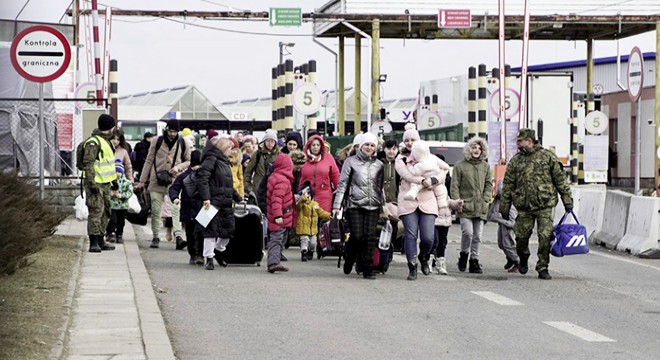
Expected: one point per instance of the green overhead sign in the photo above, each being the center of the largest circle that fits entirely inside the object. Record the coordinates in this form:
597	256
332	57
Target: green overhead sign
285	17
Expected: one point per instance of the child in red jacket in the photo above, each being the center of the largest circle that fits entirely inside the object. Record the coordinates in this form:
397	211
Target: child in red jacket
281	209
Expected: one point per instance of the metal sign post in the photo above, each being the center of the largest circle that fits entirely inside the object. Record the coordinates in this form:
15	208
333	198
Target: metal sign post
635	85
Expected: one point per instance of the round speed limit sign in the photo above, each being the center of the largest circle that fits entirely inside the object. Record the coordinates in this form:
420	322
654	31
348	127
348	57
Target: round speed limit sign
430	120
596	122
306	98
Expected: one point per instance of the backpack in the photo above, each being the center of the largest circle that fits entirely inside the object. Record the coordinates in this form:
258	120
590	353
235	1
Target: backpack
80	152
190	185
262	190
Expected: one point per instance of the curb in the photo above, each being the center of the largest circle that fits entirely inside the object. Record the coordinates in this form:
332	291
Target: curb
156	342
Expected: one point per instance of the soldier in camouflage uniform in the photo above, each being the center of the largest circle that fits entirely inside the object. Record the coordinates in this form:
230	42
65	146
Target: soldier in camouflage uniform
532	180
99	178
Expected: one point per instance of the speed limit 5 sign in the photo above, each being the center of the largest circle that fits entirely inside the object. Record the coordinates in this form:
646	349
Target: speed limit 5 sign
307	98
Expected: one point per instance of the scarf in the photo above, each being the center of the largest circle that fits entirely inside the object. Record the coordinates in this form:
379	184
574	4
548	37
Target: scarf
314	158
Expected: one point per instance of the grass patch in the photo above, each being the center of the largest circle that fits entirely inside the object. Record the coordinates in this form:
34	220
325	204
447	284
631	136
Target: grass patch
33	300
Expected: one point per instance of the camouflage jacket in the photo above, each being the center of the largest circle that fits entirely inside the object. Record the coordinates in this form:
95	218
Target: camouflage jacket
532	181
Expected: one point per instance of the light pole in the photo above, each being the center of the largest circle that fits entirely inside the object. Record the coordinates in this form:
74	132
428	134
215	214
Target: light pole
284	46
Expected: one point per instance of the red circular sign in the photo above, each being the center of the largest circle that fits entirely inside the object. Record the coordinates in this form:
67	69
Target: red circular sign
40	53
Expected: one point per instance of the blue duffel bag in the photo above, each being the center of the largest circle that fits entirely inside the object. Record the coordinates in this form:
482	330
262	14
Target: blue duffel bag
570	239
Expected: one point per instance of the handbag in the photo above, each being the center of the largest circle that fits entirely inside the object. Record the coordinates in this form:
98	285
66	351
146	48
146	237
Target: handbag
141	217
163	177
570	239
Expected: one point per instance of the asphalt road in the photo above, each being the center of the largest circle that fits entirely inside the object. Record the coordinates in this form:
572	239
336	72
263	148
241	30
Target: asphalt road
603	305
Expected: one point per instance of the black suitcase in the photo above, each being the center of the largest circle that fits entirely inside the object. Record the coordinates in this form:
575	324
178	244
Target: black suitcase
248	243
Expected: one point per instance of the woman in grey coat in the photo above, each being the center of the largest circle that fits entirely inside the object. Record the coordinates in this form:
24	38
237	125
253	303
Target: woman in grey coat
360	186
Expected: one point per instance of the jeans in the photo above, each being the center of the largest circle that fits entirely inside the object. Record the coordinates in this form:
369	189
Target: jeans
418	223
471	236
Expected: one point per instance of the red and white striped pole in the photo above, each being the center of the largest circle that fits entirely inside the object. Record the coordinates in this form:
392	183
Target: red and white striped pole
97	53
502	64
523	72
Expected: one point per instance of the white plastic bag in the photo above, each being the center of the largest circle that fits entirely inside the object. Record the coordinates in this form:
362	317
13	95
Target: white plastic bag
81	208
385	236
134	205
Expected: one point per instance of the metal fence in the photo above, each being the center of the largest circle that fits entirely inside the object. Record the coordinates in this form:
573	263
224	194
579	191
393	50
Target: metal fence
19	136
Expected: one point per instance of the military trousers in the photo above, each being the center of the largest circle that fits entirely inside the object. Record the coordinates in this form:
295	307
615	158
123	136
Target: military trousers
523	230
99	209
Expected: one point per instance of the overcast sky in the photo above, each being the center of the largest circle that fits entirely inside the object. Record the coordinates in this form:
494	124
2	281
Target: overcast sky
154	54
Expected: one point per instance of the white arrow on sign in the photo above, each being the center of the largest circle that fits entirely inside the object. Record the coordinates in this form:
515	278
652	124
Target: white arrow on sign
442	18
273	16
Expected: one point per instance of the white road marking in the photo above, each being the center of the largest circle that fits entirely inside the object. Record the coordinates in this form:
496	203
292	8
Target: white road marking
497	298
580	332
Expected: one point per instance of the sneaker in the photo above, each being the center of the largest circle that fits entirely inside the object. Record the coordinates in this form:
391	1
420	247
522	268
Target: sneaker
509	264
515	268
154	243
209	264
110	238
199	260
277	267
442	266
180	243
544	275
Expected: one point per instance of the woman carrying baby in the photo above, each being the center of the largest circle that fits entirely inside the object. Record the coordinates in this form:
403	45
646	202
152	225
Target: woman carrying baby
417	214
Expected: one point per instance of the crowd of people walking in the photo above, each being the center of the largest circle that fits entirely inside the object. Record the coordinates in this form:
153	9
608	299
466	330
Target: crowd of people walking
302	186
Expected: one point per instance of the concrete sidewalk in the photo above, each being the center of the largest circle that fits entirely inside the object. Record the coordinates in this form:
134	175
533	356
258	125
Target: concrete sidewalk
115	314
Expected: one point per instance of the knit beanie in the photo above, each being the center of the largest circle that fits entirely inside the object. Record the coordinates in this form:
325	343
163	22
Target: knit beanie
186	132
211	133
234	143
411	134
270	134
356	139
173	124
195	158
119	166
106	122
295	136
368	138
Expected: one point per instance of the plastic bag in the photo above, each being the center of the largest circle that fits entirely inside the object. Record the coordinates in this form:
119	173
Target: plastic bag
81	208
134	206
385	236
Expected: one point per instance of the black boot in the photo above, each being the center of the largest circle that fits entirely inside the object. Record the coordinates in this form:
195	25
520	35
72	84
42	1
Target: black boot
180	243
424	262
209	264
220	258
462	261
509	264
310	255
475	268
303	256
94	244
155	242
523	268
120	239
544	275
103	245
412	274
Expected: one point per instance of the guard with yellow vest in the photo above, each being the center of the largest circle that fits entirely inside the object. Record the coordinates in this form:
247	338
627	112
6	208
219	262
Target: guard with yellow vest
99	180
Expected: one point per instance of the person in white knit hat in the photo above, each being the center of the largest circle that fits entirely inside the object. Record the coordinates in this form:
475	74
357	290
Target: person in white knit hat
360	188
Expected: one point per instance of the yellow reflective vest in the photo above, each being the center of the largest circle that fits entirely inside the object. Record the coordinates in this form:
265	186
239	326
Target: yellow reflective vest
104	165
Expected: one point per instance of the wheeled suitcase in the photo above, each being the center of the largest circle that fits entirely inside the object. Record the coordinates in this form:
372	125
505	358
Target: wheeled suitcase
248	243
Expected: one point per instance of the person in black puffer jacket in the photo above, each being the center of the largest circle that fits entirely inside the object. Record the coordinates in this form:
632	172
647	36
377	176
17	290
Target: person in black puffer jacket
215	186
190	206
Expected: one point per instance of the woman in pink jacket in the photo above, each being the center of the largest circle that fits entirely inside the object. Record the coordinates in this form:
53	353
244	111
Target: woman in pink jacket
321	171
418	215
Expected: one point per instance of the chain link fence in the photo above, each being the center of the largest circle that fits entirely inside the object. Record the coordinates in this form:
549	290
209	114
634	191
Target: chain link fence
19	137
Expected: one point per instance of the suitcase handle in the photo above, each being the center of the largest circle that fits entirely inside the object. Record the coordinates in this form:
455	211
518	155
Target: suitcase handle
238	211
